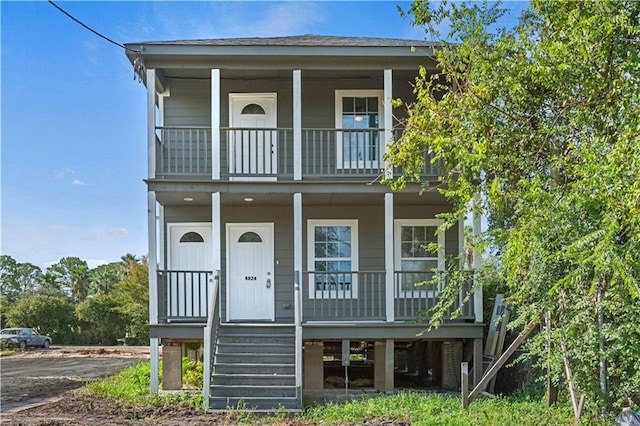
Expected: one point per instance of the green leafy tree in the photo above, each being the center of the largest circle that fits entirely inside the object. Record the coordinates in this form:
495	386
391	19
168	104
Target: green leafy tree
132	297
542	120
17	279
47	314
48	285
101	320
72	276
102	278
5	306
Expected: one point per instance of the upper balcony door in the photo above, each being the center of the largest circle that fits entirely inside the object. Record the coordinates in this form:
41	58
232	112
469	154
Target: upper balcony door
360	114
253	140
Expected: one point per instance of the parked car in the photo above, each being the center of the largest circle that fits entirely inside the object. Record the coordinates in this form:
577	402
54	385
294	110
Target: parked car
23	337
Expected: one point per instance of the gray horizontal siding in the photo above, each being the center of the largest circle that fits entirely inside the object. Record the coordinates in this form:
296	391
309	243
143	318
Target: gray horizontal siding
189	103
370	242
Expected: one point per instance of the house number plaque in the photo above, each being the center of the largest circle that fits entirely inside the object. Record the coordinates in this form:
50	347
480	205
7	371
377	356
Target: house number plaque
249	278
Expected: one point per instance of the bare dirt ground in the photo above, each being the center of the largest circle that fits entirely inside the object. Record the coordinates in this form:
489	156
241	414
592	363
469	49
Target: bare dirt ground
39	387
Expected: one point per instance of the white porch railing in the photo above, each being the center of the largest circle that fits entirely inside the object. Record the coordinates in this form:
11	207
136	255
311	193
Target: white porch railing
268	153
183	151
210	337
361	296
343	295
184	295
413	299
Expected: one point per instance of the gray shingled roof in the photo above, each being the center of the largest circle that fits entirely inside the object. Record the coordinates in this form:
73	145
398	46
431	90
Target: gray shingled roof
301	40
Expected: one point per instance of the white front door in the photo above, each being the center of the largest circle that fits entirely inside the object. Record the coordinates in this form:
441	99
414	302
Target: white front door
190	266
250	266
253	153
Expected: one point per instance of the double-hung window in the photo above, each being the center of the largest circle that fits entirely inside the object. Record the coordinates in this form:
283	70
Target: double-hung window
359	114
333	258
419	251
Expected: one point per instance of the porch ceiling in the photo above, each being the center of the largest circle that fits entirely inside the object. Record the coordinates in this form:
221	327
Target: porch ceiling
286	74
190	197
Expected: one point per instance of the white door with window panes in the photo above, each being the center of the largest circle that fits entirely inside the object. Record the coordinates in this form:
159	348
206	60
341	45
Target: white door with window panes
333	258
419	252
359	117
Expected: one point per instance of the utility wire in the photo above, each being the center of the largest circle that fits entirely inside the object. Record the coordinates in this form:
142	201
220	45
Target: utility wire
91	29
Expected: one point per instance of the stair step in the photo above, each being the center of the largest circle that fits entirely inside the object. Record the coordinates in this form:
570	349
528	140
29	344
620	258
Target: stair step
245	347
257	338
273	379
255	358
250	391
253	404
252	368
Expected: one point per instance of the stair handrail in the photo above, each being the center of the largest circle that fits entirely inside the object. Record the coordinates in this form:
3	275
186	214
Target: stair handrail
210	335
297	303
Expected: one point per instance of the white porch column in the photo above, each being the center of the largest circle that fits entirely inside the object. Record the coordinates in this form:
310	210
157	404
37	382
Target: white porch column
477	259
216	232
461	253
151	124
297	290
154	355
152	261
215	124
388	256
297	125
388	119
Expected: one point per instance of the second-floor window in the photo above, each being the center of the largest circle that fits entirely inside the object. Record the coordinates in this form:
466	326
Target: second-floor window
419	252
333	258
359	113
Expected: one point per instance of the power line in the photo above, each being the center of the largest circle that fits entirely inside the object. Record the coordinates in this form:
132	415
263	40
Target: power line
91	29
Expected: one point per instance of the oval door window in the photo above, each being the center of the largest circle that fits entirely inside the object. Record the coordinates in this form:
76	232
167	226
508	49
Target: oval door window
192	237
249	237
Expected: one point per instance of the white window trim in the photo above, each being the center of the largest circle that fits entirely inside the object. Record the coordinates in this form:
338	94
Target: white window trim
331	294
397	249
360	93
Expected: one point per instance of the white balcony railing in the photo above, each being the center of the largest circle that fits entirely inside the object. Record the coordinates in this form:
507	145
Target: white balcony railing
351	154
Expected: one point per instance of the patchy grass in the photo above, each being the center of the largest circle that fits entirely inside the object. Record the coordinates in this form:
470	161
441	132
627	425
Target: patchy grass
438	409
132	386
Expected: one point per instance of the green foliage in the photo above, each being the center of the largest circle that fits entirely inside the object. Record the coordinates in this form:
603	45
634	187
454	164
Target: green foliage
47	314
132	385
101	319
543	120
72	276
106	310
192	373
438	409
132	298
17	279
4	308
103	277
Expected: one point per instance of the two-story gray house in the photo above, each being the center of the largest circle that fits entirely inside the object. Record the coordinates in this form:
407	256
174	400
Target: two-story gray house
271	239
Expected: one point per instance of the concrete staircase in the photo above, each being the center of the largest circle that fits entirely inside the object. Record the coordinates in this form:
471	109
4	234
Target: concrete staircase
254	368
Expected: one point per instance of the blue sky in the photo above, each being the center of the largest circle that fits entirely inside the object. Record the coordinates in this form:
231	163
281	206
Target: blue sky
73	143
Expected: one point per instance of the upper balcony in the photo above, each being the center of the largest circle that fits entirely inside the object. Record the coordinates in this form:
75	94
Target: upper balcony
186	153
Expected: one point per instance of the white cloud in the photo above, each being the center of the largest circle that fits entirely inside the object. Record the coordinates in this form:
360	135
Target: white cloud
60	173
78	182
